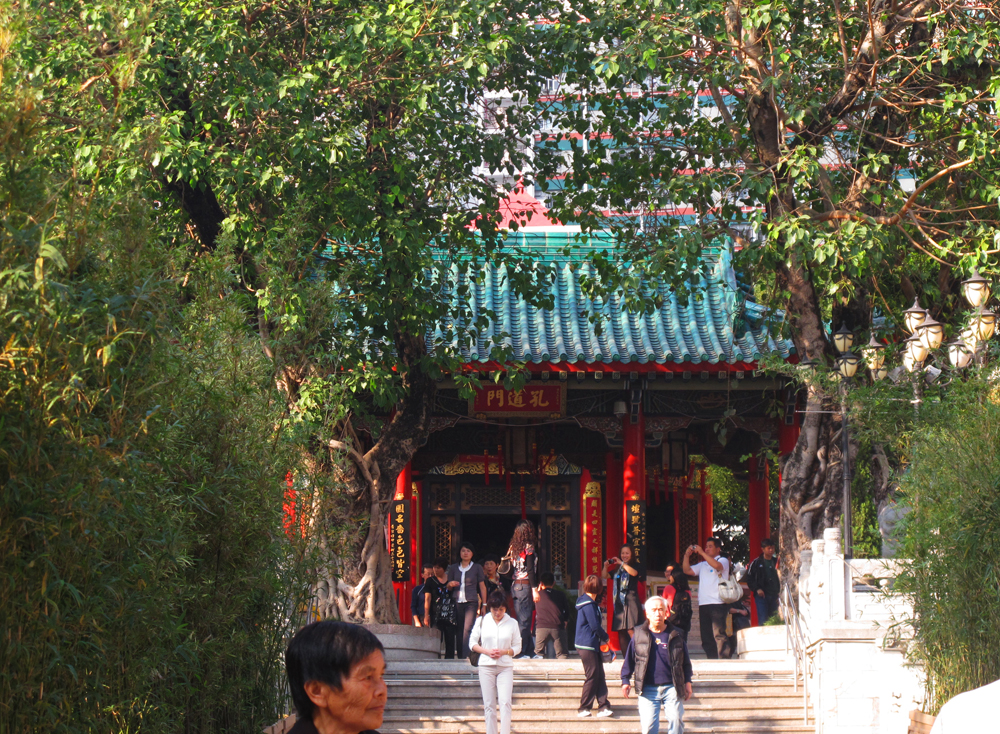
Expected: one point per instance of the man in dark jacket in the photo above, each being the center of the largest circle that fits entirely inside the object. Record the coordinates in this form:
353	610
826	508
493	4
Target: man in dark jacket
764	581
658	659
551	615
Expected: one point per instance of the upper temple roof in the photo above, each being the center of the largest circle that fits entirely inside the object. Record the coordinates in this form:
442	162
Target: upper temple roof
716	326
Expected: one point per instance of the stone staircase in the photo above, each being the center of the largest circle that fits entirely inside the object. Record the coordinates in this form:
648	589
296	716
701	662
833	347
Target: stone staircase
443	697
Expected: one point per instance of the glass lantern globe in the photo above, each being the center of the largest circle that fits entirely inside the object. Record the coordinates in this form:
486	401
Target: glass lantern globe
930	333
874	353
968	337
914	316
976	289
959	354
843	340
806	365
910	363
880	373
916	349
983	323
847	365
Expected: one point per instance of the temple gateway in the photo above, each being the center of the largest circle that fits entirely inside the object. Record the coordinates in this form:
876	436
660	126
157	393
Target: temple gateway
609	438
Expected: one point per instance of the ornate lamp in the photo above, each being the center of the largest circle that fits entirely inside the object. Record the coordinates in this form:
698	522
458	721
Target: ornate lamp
914	316
930	333
983	323
968	337
976	289
916	350
806	365
959	354
874	352
847	365
843	340
880	373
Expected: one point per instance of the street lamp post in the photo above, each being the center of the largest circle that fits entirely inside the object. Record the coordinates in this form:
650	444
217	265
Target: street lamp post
846	365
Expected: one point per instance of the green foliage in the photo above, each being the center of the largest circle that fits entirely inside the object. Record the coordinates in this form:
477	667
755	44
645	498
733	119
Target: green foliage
145	581
731	511
866	538
952	538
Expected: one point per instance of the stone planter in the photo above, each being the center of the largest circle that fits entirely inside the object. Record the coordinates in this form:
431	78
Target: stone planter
762	643
402	642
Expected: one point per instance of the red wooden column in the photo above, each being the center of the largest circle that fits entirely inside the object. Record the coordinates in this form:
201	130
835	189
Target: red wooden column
614	512
707	509
788	436
591	520
760	509
634	465
416	533
634	470
760	512
404	588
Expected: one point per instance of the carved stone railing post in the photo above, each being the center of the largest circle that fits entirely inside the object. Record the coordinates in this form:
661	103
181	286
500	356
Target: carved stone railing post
805	572
836	573
817	582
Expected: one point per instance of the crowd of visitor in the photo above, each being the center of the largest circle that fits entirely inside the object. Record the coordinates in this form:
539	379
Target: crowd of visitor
502	609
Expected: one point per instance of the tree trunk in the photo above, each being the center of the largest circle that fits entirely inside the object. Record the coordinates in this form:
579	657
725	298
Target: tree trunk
372	478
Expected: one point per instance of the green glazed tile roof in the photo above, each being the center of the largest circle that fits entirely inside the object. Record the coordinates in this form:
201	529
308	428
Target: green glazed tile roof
717	325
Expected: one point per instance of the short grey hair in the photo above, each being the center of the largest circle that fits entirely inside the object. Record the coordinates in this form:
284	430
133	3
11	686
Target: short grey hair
651	601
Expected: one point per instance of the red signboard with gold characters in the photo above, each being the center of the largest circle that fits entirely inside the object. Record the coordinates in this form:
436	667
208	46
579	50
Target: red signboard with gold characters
399	539
531	401
592	556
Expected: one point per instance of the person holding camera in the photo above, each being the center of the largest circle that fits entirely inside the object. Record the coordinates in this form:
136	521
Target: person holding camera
628	610
712	613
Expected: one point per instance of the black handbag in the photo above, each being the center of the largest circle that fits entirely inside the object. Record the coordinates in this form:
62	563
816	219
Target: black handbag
444	608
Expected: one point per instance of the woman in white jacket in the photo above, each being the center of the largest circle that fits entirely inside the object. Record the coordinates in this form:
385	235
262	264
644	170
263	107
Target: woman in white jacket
497	638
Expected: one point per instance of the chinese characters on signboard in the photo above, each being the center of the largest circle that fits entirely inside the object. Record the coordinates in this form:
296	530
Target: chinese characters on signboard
399	539
635	528
545	400
592	555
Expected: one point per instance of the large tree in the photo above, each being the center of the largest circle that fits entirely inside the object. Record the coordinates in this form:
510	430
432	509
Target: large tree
334	152
848	148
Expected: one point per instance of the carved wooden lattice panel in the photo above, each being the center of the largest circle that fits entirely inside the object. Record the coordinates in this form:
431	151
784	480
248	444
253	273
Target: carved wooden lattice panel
688	524
558	496
559	546
442	496
496	495
443	529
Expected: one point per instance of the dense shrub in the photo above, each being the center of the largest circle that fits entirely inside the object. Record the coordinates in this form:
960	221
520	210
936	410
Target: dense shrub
952	538
145	581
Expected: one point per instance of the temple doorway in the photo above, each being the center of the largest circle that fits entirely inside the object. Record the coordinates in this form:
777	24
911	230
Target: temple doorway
490	533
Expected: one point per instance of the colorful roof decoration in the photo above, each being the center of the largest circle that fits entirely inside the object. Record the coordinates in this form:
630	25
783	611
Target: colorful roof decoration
525	209
717	324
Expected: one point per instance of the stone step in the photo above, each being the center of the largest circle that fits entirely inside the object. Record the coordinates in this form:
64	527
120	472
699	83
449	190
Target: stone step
550	687
721	703
607	726
723	668
693	714
717	697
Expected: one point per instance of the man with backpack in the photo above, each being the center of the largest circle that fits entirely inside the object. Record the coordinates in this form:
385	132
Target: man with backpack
551	615
712	611
764	581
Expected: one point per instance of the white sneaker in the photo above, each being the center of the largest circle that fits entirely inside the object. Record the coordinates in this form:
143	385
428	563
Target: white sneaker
583	713
538	657
604	713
